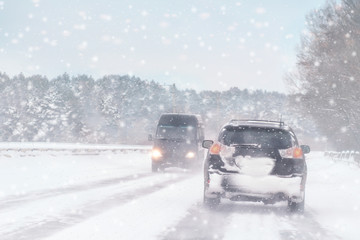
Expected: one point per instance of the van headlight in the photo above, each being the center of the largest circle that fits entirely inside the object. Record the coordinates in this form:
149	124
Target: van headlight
190	155
156	154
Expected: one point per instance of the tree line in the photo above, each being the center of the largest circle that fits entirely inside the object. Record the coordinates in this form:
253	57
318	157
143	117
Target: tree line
123	109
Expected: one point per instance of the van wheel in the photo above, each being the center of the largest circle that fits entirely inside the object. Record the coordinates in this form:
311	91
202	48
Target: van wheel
156	167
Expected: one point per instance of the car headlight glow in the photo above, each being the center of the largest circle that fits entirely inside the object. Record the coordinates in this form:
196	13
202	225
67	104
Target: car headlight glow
190	155
156	154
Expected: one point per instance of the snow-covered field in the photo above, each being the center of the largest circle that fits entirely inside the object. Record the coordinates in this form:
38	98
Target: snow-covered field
113	195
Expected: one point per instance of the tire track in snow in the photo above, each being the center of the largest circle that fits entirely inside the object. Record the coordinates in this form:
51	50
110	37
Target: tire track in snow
248	220
51	224
16	201
200	223
213	223
305	228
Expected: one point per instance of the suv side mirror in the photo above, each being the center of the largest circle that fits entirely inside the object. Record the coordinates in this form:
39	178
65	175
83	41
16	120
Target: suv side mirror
207	144
305	148
150	137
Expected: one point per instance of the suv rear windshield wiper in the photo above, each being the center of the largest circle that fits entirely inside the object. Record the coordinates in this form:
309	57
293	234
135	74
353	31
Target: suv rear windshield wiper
246	145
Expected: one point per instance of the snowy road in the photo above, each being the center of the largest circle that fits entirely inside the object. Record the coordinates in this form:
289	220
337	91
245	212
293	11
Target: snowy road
114	195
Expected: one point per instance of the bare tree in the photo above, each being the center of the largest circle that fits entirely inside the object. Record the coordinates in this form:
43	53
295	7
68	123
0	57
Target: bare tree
327	78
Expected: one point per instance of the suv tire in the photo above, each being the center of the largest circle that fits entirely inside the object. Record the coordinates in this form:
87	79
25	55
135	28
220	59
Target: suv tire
296	206
211	202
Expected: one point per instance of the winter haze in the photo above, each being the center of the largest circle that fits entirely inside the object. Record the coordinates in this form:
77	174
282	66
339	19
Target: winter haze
105	106
204	45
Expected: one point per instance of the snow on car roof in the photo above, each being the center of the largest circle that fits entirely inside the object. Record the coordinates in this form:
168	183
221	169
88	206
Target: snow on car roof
257	123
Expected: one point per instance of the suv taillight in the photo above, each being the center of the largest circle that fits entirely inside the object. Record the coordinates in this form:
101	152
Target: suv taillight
215	149
222	150
293	152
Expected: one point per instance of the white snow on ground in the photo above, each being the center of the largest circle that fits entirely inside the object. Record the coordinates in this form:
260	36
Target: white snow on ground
113	195
333	195
69	146
267	228
143	218
22	172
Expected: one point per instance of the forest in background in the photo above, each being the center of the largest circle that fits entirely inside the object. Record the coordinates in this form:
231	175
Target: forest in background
124	109
323	106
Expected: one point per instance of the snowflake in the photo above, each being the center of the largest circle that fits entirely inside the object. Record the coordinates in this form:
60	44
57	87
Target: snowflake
36	3
343	129
66	33
204	16
164	24
94	59
79	26
260	10
82	46
144	13
105	17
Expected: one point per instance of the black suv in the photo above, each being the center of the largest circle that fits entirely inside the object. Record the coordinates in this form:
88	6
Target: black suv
255	160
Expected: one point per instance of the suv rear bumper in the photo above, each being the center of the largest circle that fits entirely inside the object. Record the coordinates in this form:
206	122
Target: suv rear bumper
272	188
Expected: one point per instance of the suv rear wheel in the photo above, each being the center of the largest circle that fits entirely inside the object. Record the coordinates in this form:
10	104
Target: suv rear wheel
211	202
296	206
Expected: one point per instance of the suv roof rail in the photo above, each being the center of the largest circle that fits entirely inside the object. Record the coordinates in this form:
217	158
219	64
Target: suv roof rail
280	123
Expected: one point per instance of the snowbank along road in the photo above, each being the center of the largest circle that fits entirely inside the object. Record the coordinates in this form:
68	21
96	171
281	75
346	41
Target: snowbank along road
113	195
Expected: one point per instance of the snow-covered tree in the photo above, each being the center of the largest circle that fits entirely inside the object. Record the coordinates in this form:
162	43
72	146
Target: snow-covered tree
327	78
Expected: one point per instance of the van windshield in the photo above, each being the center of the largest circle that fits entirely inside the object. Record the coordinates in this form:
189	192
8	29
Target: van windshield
176	132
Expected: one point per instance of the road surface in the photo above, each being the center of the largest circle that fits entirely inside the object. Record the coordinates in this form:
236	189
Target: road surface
114	195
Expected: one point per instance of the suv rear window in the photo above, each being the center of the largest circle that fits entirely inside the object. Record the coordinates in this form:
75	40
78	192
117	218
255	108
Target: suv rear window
266	137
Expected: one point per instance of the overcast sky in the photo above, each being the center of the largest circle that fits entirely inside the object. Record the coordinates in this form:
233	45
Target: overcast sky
205	45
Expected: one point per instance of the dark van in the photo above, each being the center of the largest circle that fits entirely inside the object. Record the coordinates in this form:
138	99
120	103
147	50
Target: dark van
177	142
